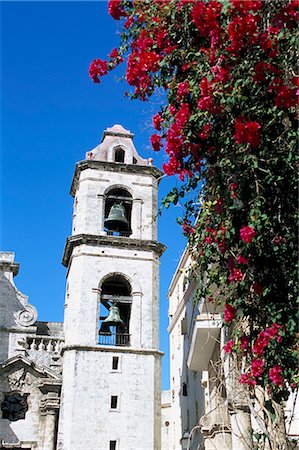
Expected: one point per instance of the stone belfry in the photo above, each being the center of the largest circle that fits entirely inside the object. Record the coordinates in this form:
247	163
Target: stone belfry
111	362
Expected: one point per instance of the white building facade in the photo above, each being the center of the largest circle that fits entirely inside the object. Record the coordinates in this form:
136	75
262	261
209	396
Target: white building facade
210	409
186	385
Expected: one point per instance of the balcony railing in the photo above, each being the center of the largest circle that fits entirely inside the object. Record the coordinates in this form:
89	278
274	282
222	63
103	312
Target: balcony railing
118	233
118	339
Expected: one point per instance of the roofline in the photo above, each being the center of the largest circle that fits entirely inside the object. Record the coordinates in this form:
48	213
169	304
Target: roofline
175	277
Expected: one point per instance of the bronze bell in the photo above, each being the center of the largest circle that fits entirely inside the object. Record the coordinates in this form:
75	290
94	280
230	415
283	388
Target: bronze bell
116	220
105	329
113	318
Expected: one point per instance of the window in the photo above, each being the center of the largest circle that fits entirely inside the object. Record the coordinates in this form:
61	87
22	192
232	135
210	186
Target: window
115	361
184	393
112	445
119	155
113	403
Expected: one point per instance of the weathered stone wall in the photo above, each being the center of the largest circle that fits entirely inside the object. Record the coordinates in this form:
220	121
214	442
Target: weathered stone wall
88	422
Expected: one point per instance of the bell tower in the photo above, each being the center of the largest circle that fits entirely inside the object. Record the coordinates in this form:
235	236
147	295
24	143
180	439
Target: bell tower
111	362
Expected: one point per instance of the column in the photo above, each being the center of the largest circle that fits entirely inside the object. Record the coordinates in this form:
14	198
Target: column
49	410
136	219
135	320
101	201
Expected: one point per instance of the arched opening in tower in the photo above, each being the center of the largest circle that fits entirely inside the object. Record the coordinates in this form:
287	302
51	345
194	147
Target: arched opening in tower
115	311
118	210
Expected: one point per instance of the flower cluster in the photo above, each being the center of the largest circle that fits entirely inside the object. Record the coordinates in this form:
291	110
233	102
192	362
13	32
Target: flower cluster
97	69
247	131
264	337
247	234
116	9
256	370
275	375
230	313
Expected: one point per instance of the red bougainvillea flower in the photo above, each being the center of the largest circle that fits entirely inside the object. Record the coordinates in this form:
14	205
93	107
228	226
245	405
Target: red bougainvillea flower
140	65
236	275
172	110
246	379
228	346
242	31
275	375
115	9
114	53
205	17
156	142
229	313
247	234
242	260
182	116
264	69
286	97
157	121
247	5
257	367
183	90
205	132
173	166
97	69
207	100
247	131
244	343
129	22
263	339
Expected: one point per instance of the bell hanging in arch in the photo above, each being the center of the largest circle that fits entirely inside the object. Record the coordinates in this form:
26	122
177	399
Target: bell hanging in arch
117	220
113	318
105	329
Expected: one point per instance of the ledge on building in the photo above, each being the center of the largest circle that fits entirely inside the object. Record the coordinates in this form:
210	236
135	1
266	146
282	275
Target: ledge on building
204	336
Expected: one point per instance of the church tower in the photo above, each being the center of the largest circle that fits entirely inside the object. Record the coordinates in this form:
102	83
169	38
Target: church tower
111	362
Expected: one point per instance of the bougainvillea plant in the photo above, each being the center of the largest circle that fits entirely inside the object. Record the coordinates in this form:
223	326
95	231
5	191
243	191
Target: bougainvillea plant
228	126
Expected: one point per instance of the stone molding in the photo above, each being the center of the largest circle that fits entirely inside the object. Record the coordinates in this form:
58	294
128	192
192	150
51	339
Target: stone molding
113	349
109	166
26	317
7	266
50	404
215	422
111	241
19	445
20	361
110	132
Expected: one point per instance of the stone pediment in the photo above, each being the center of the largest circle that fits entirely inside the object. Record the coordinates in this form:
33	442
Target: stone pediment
17	368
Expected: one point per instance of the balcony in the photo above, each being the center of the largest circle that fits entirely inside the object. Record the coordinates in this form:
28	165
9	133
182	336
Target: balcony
204	336
118	233
114	339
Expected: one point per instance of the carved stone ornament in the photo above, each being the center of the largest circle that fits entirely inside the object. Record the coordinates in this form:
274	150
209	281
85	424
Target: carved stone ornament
14	407
27	316
19	379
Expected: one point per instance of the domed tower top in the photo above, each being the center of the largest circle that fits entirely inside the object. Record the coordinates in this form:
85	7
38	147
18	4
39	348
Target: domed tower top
117	146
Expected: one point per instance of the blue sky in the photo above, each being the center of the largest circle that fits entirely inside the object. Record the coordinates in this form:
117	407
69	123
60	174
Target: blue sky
51	114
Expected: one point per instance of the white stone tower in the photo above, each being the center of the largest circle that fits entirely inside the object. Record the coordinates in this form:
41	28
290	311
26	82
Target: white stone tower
111	362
